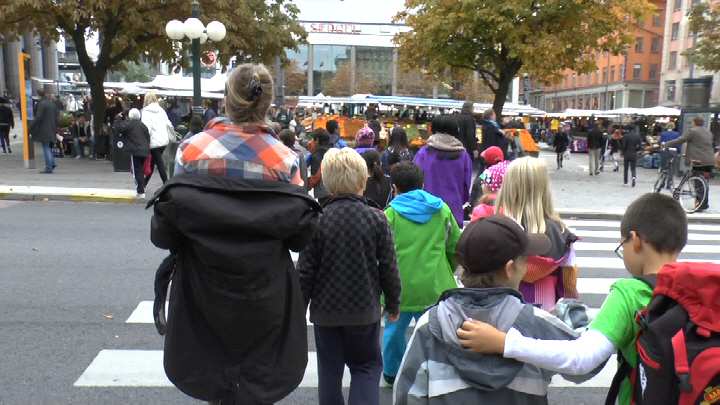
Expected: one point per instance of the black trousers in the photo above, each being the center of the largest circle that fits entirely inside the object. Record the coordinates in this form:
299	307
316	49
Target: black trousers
704	171
138	167
629	164
157	161
559	156
5	138
358	347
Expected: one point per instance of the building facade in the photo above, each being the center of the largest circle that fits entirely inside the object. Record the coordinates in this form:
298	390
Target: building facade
43	61
683	84
631	79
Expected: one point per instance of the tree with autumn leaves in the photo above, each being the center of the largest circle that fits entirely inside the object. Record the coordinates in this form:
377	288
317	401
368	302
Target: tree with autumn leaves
502	39
705	24
257	30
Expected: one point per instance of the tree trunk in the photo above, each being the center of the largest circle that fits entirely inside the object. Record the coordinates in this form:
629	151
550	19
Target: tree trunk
503	87
97	91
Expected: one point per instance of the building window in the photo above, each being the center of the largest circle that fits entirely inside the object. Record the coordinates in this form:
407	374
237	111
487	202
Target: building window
640	22
670	90
612	73
331	70
672	62
605	76
657	20
639	44
652	73
373	70
637	71
675	31
678	5
655	45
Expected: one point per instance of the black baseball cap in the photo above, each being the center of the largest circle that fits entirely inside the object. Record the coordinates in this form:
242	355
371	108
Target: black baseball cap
486	245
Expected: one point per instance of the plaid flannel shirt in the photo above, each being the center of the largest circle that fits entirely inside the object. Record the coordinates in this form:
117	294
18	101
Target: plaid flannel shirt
248	151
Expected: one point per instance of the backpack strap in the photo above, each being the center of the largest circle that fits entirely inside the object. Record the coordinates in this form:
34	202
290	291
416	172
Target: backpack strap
680	356
623	371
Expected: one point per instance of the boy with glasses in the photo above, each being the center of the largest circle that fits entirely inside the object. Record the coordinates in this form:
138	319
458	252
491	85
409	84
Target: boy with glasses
646	246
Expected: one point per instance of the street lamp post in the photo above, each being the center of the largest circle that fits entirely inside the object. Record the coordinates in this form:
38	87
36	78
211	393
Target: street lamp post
194	30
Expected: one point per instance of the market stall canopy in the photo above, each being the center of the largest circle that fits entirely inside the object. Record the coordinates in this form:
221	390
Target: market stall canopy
215	84
660	111
509	108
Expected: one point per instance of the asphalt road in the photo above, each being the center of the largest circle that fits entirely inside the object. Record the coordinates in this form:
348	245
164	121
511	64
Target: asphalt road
71	274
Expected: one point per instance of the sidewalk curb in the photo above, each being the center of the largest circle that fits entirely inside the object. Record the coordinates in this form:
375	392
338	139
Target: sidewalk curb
30	193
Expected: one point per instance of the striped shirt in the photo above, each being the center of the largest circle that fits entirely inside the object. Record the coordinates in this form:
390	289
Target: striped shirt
248	151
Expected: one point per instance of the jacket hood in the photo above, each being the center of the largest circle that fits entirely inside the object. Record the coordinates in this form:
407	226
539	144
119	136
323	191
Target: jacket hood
153	108
417	206
445	142
496	306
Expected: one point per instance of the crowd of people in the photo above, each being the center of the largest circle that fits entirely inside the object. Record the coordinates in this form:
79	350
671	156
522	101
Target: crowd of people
381	235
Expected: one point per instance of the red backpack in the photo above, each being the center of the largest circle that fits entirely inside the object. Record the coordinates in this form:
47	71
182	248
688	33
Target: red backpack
678	344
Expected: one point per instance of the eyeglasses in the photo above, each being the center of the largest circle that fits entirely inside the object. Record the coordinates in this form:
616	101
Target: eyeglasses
619	249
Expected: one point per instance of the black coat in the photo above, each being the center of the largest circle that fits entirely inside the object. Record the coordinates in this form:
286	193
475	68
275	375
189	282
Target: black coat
631	143
468	133
236	327
7	120
45	122
595	139
134	135
561	141
493	136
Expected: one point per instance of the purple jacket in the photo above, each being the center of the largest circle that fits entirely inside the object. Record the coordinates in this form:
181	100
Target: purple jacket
447	179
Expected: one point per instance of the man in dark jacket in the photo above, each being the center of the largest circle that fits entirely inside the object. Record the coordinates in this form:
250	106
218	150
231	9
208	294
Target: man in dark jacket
135	139
630	145
44	128
467	127
7	122
595	144
236	329
492	135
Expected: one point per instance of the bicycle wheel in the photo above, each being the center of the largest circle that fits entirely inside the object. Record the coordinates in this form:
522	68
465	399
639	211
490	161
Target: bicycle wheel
660	182
691	193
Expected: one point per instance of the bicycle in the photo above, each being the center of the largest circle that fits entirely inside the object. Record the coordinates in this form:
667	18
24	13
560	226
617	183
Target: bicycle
692	190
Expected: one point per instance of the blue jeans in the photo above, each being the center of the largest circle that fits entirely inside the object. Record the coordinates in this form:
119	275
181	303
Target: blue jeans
49	157
394	343
80	146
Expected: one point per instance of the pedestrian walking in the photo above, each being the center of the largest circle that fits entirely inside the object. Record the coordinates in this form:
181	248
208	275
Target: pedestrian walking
525	197
378	188
631	144
446	165
333	129
44	128
699	153
7	122
613	148
594	144
426	234
398	149
136	138
288	139
492	135
364	140
161	130
320	148
468	129
345	269
561	141
236	332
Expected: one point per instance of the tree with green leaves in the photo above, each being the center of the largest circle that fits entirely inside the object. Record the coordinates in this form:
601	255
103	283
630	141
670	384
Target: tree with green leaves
502	39
257	30
705	24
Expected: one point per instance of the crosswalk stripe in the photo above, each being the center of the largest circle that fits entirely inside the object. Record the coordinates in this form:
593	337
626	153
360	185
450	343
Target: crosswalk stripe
617	263
584	233
143	314
610	247
144	368
580	223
